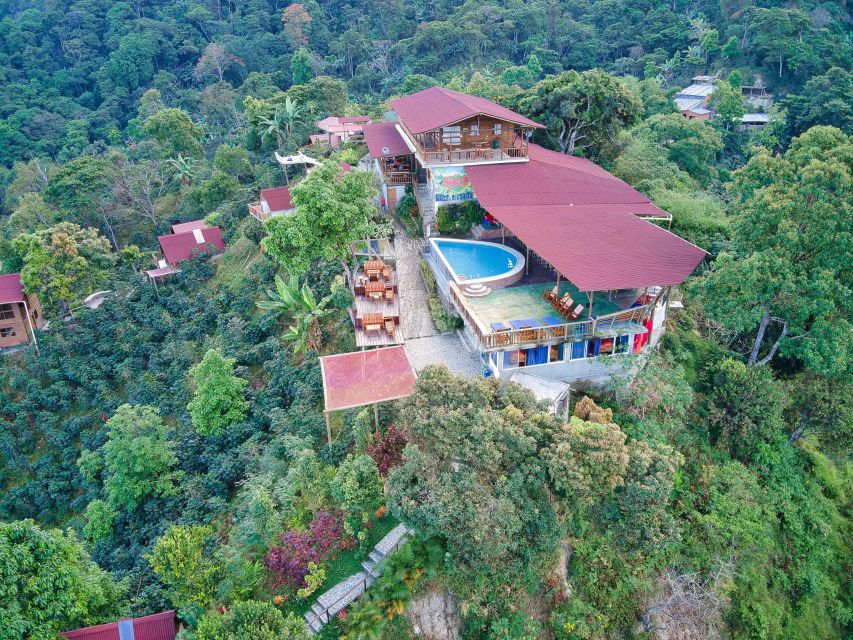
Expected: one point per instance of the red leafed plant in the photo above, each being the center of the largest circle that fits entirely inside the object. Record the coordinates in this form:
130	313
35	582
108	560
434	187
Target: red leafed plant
288	561
387	450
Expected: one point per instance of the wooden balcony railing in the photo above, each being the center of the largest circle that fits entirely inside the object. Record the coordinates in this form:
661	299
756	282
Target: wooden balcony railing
451	155
396	178
567	332
257	211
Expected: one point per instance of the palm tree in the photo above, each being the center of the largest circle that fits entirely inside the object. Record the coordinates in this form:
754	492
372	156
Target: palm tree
283	122
301	304
184	169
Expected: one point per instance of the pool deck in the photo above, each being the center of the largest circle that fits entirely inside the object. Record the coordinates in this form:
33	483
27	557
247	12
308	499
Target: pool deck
524	301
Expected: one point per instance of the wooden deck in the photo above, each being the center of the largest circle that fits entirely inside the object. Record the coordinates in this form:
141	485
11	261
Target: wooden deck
387	309
377	338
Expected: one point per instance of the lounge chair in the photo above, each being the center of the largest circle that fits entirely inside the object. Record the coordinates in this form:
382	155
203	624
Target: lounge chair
564	302
390	327
389	294
575	313
550	296
386	272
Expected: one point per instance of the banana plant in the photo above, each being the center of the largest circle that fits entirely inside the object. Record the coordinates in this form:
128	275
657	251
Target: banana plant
300	303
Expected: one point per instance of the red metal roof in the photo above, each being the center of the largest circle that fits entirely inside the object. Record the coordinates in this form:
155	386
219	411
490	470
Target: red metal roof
366	377
278	199
583	221
335	124
178	247
384	135
11	289
436	107
189	226
552	178
160	626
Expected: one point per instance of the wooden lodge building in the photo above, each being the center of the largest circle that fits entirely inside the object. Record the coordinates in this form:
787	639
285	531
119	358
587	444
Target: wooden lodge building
570	266
20	312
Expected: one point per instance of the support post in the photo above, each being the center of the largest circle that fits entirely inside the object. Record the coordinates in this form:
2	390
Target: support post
30	322
376	415
590	296
558	285
328	428
527	263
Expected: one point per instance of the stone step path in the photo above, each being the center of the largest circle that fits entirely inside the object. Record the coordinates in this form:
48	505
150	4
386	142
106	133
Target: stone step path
415	318
347	591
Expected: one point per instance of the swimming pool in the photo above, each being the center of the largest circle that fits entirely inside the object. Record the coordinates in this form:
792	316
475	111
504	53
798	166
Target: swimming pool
473	262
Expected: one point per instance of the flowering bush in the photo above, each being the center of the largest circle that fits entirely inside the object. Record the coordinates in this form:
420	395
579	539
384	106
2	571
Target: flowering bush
289	562
387	450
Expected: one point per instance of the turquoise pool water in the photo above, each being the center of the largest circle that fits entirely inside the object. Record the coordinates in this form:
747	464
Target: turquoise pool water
470	260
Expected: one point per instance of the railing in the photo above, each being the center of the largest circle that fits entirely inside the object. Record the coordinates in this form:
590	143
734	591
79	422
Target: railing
475	154
394	178
257	211
566	332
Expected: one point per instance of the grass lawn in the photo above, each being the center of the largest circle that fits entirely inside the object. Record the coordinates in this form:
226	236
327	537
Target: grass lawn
348	562
231	268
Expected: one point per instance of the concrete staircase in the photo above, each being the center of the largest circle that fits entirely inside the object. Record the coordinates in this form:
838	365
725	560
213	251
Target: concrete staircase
426	205
344	593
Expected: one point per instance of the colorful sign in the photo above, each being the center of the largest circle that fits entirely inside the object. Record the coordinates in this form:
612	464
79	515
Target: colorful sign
451	184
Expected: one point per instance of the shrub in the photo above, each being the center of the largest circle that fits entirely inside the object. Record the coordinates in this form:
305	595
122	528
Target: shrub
429	277
457	219
289	562
251	620
387	450
443	321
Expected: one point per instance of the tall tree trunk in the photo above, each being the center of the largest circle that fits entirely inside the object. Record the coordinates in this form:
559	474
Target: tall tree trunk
759	338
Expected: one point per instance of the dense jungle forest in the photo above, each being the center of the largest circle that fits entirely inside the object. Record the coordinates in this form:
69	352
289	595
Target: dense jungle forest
167	449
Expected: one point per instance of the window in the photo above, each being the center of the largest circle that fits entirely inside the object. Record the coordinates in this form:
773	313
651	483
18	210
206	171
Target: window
578	350
7	332
498	129
451	135
475	129
7	311
511	360
555	353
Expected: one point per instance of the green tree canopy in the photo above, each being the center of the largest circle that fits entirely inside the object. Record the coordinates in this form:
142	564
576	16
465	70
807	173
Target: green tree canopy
219	398
139	457
583	111
180	561
357	485
789	269
332	210
49	584
63	264
175	132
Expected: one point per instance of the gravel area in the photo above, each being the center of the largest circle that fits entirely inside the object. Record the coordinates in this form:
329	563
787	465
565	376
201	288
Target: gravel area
446	349
414	307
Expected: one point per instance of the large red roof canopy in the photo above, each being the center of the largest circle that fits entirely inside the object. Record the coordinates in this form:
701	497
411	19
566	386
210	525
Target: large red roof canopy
366	377
583	221
437	107
382	136
11	289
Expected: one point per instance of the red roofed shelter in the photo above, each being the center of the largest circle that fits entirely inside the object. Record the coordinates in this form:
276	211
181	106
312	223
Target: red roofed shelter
178	247
361	378
160	626
20	312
